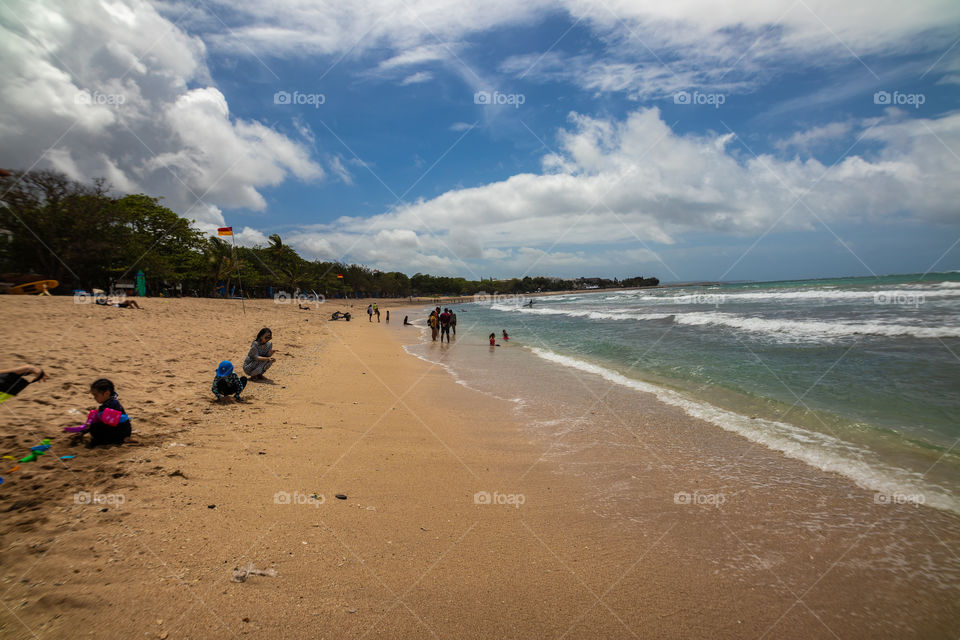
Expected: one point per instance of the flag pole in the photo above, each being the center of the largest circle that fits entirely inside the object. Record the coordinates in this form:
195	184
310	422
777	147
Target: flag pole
243	304
233	239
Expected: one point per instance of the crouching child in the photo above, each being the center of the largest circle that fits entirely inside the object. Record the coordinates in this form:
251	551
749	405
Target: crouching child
227	382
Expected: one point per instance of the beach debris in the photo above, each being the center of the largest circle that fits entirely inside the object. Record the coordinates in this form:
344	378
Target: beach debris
341	496
67	457
177	473
351	610
241	575
211	506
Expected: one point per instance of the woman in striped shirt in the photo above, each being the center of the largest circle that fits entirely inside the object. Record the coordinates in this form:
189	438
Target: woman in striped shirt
260	358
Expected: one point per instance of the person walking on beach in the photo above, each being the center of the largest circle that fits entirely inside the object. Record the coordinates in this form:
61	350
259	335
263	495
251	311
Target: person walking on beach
369	313
260	358
376	311
388	316
445	325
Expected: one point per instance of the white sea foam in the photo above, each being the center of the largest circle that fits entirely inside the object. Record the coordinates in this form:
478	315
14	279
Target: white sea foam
814	330
784	329
610	314
819	450
810	295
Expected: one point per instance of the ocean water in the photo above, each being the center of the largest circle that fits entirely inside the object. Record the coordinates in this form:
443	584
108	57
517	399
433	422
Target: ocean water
858	376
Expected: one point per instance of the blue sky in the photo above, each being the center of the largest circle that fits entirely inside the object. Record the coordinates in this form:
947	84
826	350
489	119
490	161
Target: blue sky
689	141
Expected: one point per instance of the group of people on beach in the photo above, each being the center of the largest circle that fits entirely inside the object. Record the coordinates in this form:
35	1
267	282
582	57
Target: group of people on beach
260	358
374	310
110	424
442	322
107	424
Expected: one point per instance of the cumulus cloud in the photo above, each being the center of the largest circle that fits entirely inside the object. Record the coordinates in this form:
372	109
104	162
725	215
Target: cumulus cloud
114	89
639	183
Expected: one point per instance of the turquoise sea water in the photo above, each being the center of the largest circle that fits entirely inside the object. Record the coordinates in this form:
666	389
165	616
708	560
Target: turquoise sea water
859	376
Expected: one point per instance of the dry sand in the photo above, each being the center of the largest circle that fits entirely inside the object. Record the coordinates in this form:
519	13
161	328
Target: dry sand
141	540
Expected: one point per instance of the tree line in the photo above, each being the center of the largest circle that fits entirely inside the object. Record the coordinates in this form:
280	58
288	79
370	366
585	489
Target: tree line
53	227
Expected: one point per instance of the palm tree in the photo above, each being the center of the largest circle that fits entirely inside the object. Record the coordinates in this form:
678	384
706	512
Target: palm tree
223	262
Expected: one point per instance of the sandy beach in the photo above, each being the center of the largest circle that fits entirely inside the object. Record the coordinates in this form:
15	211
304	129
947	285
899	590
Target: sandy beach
459	519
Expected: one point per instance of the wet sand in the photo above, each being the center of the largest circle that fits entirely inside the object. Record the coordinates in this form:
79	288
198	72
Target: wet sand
585	536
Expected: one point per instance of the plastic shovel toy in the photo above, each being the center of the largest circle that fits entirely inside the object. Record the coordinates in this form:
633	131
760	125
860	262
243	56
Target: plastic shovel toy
92	417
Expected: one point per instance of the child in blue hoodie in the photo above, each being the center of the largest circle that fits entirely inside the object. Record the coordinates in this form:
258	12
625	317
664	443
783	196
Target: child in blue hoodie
226	381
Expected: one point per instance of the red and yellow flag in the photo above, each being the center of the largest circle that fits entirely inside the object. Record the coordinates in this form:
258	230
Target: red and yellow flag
225	231
340	275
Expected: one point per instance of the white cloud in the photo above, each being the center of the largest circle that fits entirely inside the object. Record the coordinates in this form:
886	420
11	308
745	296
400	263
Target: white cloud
417	78
638	183
812	138
104	89
650	49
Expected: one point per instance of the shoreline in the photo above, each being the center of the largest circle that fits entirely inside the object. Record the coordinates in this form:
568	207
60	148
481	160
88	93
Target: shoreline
599	547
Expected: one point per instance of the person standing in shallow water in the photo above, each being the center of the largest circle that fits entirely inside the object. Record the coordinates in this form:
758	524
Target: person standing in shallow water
260	358
369	313
445	325
434	323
